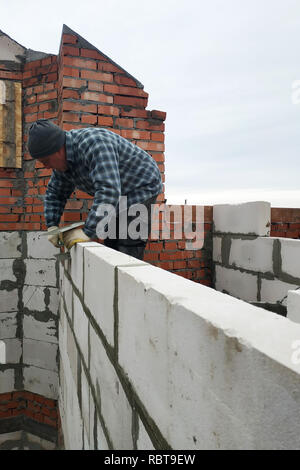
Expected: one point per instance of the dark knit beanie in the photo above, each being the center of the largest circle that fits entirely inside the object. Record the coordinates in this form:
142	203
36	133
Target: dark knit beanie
45	138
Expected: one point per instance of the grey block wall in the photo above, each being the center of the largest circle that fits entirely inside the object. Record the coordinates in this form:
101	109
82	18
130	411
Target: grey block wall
28	313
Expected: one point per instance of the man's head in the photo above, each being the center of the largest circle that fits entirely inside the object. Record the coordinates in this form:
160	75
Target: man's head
46	143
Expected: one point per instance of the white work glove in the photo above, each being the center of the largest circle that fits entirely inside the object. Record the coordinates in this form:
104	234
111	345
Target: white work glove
54	239
76	235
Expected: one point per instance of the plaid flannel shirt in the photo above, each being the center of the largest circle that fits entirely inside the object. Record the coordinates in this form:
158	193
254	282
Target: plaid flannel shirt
106	166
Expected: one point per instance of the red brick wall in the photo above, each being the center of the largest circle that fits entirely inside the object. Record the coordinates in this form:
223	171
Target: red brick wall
285	222
36	407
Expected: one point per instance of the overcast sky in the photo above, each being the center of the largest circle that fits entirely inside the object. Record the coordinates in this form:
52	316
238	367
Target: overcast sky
222	70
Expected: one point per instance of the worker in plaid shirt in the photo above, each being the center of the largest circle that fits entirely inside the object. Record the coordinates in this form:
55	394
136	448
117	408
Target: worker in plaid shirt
100	163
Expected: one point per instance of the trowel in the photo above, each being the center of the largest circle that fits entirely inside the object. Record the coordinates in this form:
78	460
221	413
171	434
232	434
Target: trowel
66	255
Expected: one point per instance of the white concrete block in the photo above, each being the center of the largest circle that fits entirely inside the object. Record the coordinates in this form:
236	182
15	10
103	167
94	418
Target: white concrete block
99	273
40	272
43	443
6	270
290	255
101	439
8	300
39	247
212	363
8	325
255	255
7	380
144	442
85	404
13	350
217	249
76	265
40	328
293	306
72	352
41	381
92	435
239	284
10	436
10	245
274	291
40	354
247	218
41	298
81	327
67	293
115	408
71	419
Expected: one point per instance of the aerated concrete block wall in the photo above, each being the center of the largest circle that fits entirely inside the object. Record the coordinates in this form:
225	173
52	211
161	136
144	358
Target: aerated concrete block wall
249	264
28	318
152	360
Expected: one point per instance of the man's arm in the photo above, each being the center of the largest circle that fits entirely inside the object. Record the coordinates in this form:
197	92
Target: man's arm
58	190
102	159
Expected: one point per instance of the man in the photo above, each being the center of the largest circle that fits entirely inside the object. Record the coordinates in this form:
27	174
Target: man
100	163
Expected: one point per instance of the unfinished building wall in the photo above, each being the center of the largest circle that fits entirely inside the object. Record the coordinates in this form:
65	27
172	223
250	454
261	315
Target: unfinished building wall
150	360
249	264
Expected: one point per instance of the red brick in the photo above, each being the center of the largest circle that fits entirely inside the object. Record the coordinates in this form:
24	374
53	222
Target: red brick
123	80
179	264
44	106
95	86
89	118
81	194
73	106
73	83
151	146
69	71
31	99
5	396
151	125
130	101
108	67
81	63
91	96
111	110
157	136
151	256
122	90
69	39
158	115
74	205
5	414
70	50
70	94
71	216
31	117
5	192
72	117
101	76
105	121
8	200
124	122
133	134
134	112
51	422
47	96
92	54
165	265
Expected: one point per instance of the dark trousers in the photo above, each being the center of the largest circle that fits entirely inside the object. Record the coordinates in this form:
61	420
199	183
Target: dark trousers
131	247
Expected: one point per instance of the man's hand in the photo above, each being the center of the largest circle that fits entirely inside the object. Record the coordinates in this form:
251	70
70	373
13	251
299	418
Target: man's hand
71	237
54	239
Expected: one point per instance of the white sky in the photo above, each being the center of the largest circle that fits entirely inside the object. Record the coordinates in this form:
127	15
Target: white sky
222	70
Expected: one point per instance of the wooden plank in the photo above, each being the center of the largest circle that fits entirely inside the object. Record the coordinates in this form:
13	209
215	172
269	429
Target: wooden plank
18	124
11	126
